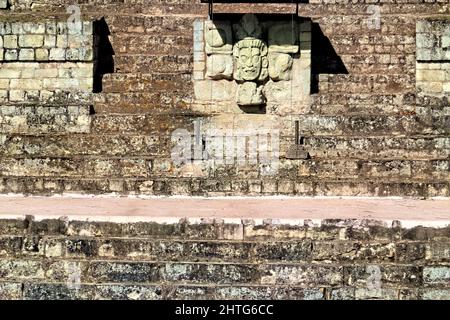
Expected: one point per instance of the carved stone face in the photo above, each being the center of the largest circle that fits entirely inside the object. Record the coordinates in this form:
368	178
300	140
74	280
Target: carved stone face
251	59
250	63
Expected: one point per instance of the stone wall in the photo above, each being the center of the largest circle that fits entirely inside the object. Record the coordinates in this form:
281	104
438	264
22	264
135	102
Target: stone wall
191	259
368	129
433	56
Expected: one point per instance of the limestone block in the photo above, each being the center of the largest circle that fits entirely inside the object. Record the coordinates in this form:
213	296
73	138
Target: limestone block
72	54
31	41
57	54
10	42
61	28
4	84
219	66
218	37
50	27
3	95
49	41
88	27
446	87
75	28
222	90
34	28
46	73
86	54
61	41
430	87
16	95
430	75
11	55
26	54
445	41
425	40
280	65
249	93
3	4
77	41
42	54
9	73
5	28
433	39
17	28
25	84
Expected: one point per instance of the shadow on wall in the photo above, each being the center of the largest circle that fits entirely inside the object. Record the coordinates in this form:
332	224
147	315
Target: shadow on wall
324	59
103	53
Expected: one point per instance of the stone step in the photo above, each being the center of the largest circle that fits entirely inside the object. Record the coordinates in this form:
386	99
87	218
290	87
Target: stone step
317	125
159	146
131	82
296	170
385	248
305	275
75	145
221	186
57	291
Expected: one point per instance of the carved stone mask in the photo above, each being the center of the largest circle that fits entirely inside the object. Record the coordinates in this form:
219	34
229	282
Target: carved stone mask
251	60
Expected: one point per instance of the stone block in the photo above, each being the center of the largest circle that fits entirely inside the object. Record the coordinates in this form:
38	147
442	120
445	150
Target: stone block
436	294
430	87
88	27
25	84
11	55
34	28
31	41
17	28
42	54
61	28
62	41
430	75
26	54
215	90
4	84
3	4
446	87
46	73
16	95
72	54
49	41
57	54
445	41
436	274
50	27
10	290
3	96
10	42
305	275
425	40
86	54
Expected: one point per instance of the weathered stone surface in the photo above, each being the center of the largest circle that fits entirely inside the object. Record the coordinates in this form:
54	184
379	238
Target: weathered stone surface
436	274
384	275
311	275
10	290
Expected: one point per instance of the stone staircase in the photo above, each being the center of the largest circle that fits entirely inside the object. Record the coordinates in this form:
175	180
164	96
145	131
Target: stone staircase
70	258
